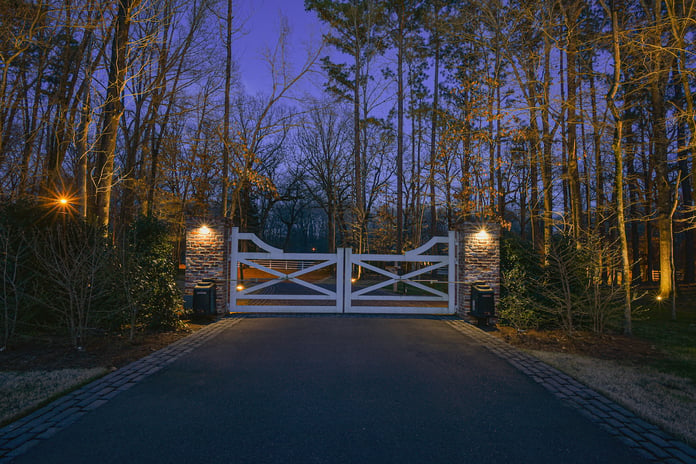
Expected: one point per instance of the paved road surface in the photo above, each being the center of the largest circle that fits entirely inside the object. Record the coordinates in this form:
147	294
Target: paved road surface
334	390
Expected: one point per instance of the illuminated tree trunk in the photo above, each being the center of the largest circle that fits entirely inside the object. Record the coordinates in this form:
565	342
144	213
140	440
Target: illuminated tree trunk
226	116
547	140
619	176
572	13
82	146
400	128
113	110
681	16
433	138
658	68
357	155
599	168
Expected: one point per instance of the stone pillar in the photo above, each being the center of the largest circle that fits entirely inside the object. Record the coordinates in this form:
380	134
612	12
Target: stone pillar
206	257
478	258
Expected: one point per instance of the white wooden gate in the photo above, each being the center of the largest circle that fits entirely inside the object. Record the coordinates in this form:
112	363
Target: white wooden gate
270	280
429	277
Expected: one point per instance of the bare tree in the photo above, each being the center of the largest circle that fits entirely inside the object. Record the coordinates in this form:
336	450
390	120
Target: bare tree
75	262
324	148
15	249
266	122
619	156
113	107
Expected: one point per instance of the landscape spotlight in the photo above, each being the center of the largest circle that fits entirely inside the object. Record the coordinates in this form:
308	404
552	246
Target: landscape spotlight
63	203
204	230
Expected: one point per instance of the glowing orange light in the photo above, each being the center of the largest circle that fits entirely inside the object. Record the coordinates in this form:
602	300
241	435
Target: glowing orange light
60	202
240	287
353	280
482	234
659	298
204	230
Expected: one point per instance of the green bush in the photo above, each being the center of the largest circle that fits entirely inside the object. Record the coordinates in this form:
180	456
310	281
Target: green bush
62	275
518	306
56	272
576	288
156	300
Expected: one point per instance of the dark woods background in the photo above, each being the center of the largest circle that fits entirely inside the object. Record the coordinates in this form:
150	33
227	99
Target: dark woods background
570	122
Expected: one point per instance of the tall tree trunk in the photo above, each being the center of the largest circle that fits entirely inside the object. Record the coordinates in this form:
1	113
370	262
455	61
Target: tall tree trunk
597	147
534	162
33	127
618	156
357	155
66	103
633	196
621	226
684	102
683	155
113	110
658	74
564	145
400	130
226	116
664	194
433	137
415	172
546	161
331	213
133	142
572	14
647	149
82	146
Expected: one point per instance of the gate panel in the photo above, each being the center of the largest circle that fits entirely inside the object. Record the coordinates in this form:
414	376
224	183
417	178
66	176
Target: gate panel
271	280
415	283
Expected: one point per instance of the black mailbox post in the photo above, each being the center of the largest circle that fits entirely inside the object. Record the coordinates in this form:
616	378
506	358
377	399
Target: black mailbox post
204	297
482	300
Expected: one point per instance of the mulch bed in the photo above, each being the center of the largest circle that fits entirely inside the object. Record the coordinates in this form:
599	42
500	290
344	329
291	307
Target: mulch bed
110	351
602	346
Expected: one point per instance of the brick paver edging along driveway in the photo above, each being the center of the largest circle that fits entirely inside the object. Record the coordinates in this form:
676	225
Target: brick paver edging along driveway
647	439
17	437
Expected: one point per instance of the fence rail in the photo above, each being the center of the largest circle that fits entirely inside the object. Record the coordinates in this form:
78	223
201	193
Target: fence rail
285	264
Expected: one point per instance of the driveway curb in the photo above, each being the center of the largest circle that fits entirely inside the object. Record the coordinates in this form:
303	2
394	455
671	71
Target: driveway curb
646	439
19	436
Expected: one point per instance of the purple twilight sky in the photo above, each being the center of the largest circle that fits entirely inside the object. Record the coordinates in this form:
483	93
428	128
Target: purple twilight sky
260	23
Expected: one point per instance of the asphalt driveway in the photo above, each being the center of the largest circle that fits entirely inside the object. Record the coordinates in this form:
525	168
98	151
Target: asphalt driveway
334	390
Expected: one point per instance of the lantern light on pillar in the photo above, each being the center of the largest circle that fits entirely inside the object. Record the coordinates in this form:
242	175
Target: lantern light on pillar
482	234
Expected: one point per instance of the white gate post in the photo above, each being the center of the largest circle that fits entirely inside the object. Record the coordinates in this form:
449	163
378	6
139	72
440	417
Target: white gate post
347	279
451	272
340	273
234	272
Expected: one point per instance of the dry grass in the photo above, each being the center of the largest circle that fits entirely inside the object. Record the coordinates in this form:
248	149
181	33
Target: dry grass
663	399
21	392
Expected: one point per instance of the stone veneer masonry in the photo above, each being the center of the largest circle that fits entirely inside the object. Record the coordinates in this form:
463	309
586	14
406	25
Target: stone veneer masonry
206	257
478	258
